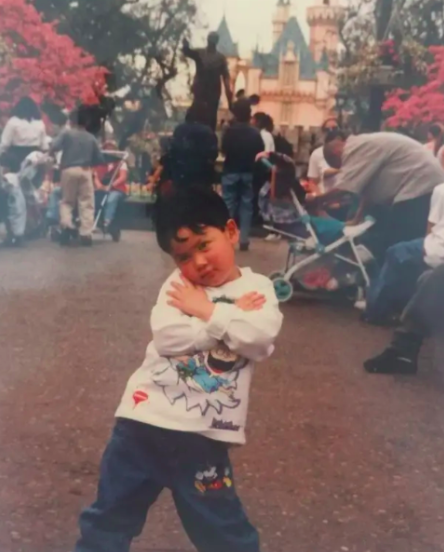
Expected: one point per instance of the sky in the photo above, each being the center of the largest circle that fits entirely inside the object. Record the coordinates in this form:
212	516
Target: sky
249	20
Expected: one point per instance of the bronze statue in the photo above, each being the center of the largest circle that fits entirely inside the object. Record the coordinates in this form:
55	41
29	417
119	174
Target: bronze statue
211	68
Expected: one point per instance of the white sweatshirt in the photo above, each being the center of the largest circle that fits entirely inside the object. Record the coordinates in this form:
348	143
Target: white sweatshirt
196	375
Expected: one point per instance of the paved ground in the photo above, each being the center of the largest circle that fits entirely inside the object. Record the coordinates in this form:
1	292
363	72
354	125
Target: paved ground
337	460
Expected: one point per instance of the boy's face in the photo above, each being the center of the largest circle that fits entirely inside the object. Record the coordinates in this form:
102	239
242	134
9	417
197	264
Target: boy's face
207	259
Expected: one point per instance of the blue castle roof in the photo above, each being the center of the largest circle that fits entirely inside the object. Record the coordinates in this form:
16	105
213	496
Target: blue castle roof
226	44
291	35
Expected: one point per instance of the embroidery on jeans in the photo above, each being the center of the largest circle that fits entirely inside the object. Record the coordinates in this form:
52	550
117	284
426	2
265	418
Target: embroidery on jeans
213	479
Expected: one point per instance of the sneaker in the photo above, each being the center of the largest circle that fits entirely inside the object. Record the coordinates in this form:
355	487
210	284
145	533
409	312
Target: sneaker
273	237
86	241
244	247
392	361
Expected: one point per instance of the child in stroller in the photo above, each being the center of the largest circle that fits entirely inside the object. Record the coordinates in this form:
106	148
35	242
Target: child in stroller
12	205
111	183
323	256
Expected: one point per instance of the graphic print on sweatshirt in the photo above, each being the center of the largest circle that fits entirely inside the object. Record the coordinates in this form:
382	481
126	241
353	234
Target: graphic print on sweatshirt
205	380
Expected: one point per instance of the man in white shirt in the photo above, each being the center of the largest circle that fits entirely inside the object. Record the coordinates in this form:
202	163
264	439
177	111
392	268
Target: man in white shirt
320	173
404	263
264	123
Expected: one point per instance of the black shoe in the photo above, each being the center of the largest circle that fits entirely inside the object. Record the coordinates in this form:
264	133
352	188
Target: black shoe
65	237
86	241
392	361
13	241
115	233
244	247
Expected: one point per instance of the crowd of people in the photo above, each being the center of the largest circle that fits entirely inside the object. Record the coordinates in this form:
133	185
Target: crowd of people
388	176
54	176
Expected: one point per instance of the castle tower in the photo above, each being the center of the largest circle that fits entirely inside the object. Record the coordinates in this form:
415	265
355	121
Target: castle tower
323	18
280	19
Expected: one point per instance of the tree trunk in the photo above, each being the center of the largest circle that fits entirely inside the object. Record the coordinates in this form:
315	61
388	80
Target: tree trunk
383	16
374	116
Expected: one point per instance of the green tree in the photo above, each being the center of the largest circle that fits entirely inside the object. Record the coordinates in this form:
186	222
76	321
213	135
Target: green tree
368	25
138	41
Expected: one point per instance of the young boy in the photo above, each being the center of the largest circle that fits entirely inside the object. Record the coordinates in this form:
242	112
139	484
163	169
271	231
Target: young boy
188	402
80	153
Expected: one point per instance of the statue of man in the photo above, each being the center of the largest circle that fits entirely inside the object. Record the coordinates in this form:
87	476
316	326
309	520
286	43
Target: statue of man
211	68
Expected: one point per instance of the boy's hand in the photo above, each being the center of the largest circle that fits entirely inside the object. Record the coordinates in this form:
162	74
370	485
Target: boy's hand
190	299
251	302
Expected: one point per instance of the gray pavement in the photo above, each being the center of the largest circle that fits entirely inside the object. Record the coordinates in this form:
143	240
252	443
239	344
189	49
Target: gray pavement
337	460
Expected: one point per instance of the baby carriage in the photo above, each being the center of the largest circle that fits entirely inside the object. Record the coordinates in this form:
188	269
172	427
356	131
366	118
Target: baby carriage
117	158
31	177
324	259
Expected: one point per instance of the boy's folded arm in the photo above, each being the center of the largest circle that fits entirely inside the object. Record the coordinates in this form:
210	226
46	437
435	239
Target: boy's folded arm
175	333
250	334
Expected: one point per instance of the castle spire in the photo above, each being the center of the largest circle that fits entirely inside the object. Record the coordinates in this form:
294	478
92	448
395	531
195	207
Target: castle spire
226	46
280	19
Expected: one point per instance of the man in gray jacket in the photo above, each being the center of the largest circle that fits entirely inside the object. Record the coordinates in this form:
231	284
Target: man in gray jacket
80	153
393	177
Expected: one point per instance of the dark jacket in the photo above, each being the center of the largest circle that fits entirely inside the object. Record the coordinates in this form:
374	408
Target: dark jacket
193	152
241	144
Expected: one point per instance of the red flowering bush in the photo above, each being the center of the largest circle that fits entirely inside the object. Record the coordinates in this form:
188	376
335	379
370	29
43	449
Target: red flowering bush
419	105
37	61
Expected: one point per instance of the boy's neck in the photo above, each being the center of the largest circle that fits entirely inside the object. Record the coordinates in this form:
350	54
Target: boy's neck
236	274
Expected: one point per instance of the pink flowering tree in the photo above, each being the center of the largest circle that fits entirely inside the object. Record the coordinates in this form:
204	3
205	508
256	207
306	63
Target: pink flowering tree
37	61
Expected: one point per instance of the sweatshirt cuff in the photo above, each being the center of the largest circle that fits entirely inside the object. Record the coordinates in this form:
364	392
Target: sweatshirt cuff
218	324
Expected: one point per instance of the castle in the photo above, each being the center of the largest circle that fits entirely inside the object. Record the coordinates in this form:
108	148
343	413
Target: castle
295	81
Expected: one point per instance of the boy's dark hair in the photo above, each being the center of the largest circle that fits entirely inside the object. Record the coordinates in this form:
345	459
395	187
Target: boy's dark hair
193	208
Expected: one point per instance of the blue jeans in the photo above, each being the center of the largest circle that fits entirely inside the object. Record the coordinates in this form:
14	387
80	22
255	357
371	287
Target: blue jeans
238	194
139	462
53	207
114	198
396	283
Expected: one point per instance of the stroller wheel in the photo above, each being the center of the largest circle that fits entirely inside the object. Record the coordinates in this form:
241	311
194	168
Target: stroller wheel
115	234
276	275
283	289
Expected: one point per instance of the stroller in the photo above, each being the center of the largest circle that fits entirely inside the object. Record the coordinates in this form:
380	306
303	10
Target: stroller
114	231
325	260
31	177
